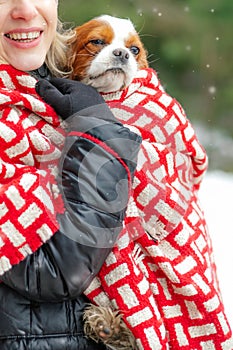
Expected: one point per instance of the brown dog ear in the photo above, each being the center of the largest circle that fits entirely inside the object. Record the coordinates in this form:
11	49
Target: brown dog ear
79	56
142	56
74	62
142	59
71	52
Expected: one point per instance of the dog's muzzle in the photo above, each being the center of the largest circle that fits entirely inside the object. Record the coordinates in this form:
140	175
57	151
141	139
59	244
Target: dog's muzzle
121	55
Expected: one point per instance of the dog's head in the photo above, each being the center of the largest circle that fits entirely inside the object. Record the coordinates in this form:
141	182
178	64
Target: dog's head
106	53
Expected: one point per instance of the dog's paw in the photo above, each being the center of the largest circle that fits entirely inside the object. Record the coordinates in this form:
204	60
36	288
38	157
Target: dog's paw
104	324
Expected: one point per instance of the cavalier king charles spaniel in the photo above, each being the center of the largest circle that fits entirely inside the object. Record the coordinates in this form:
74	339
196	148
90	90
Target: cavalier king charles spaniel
106	53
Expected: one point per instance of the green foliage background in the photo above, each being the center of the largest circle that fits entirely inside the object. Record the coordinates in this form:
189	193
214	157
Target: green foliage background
189	44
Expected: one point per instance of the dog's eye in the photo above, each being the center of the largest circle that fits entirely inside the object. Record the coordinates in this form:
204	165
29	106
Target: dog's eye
97	42
135	50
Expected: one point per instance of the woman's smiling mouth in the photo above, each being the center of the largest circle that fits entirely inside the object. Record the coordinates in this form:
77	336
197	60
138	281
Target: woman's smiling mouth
23	37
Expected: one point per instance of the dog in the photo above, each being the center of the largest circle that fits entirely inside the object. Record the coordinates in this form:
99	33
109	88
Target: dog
106	53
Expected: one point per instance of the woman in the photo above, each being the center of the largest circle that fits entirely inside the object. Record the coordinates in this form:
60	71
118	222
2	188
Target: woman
56	193
164	278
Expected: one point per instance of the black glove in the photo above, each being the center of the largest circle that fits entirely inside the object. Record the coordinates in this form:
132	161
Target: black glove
68	97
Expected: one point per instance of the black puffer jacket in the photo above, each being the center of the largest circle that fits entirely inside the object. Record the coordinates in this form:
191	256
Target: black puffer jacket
41	300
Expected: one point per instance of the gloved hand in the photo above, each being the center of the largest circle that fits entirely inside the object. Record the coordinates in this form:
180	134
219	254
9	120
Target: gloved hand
68	97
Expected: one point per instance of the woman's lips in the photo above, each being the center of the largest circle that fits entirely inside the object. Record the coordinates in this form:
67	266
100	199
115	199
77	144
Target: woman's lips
24	39
24	36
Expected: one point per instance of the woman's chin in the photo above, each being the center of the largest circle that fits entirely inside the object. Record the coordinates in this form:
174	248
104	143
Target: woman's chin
27	64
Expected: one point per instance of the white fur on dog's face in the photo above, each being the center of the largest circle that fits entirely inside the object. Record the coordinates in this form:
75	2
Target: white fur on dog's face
108	53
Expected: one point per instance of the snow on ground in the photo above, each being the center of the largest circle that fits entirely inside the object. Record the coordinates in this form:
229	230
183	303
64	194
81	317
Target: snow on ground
216	196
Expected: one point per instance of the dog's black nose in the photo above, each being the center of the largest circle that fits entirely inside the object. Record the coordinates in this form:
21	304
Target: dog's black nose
121	54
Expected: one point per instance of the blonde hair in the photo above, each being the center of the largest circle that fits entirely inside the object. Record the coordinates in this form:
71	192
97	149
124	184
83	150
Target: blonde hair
56	59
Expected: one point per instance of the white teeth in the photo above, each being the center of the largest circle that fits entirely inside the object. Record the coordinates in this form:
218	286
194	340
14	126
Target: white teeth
23	36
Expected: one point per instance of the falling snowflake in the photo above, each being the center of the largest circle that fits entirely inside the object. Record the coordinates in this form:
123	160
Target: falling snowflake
212	90
140	12
155	10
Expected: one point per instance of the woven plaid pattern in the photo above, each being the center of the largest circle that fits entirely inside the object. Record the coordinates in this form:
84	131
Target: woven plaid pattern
31	141
161	273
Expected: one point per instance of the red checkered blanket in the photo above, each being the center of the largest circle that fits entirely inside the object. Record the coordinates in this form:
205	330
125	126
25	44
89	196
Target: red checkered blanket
31	142
161	273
